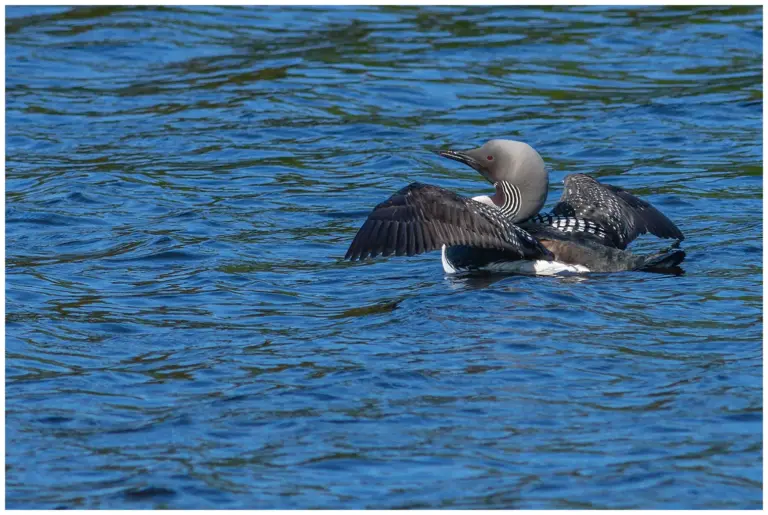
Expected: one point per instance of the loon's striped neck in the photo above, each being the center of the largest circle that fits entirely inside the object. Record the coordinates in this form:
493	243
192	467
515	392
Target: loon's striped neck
511	202
517	204
508	199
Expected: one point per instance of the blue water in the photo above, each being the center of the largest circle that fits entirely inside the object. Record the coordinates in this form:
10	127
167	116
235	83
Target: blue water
181	332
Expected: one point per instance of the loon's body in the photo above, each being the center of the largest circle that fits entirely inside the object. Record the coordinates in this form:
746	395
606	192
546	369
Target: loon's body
588	229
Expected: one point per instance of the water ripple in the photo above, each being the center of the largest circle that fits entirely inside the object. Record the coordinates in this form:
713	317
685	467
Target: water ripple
182	182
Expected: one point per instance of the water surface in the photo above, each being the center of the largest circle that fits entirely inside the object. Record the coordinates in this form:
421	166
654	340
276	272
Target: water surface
181	184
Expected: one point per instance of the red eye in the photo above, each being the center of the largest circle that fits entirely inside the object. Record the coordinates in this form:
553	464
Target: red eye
490	158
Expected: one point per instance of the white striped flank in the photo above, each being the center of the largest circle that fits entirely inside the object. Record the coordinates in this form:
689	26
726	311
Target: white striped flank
536	267
569	224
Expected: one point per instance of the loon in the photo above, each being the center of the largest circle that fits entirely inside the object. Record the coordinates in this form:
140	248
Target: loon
588	230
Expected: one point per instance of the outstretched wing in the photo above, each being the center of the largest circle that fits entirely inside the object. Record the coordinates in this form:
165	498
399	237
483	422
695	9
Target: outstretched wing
621	216
420	218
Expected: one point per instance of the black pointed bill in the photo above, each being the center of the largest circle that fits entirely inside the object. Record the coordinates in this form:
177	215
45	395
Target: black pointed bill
462	157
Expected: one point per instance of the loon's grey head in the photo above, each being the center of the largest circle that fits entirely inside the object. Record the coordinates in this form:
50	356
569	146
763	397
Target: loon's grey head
505	164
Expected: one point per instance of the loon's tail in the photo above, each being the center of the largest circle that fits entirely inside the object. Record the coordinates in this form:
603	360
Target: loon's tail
665	262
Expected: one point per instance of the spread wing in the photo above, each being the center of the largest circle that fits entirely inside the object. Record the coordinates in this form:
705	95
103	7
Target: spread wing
621	216
420	218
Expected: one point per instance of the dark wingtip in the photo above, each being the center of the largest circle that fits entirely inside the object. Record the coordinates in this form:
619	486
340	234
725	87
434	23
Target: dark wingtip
352	251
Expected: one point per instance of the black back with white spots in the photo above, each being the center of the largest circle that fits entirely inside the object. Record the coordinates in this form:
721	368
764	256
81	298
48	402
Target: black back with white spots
421	217
567	224
612	214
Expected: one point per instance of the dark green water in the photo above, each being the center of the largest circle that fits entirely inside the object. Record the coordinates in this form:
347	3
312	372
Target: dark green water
181	184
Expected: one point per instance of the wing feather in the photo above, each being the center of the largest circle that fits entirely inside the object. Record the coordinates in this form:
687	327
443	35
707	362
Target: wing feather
402	239
429	241
420	218
420	247
391	240
374	250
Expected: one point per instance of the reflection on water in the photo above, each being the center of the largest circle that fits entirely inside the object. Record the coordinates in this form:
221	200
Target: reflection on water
182	183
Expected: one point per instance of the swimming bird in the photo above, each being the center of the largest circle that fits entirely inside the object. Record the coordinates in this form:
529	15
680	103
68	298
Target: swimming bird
587	230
